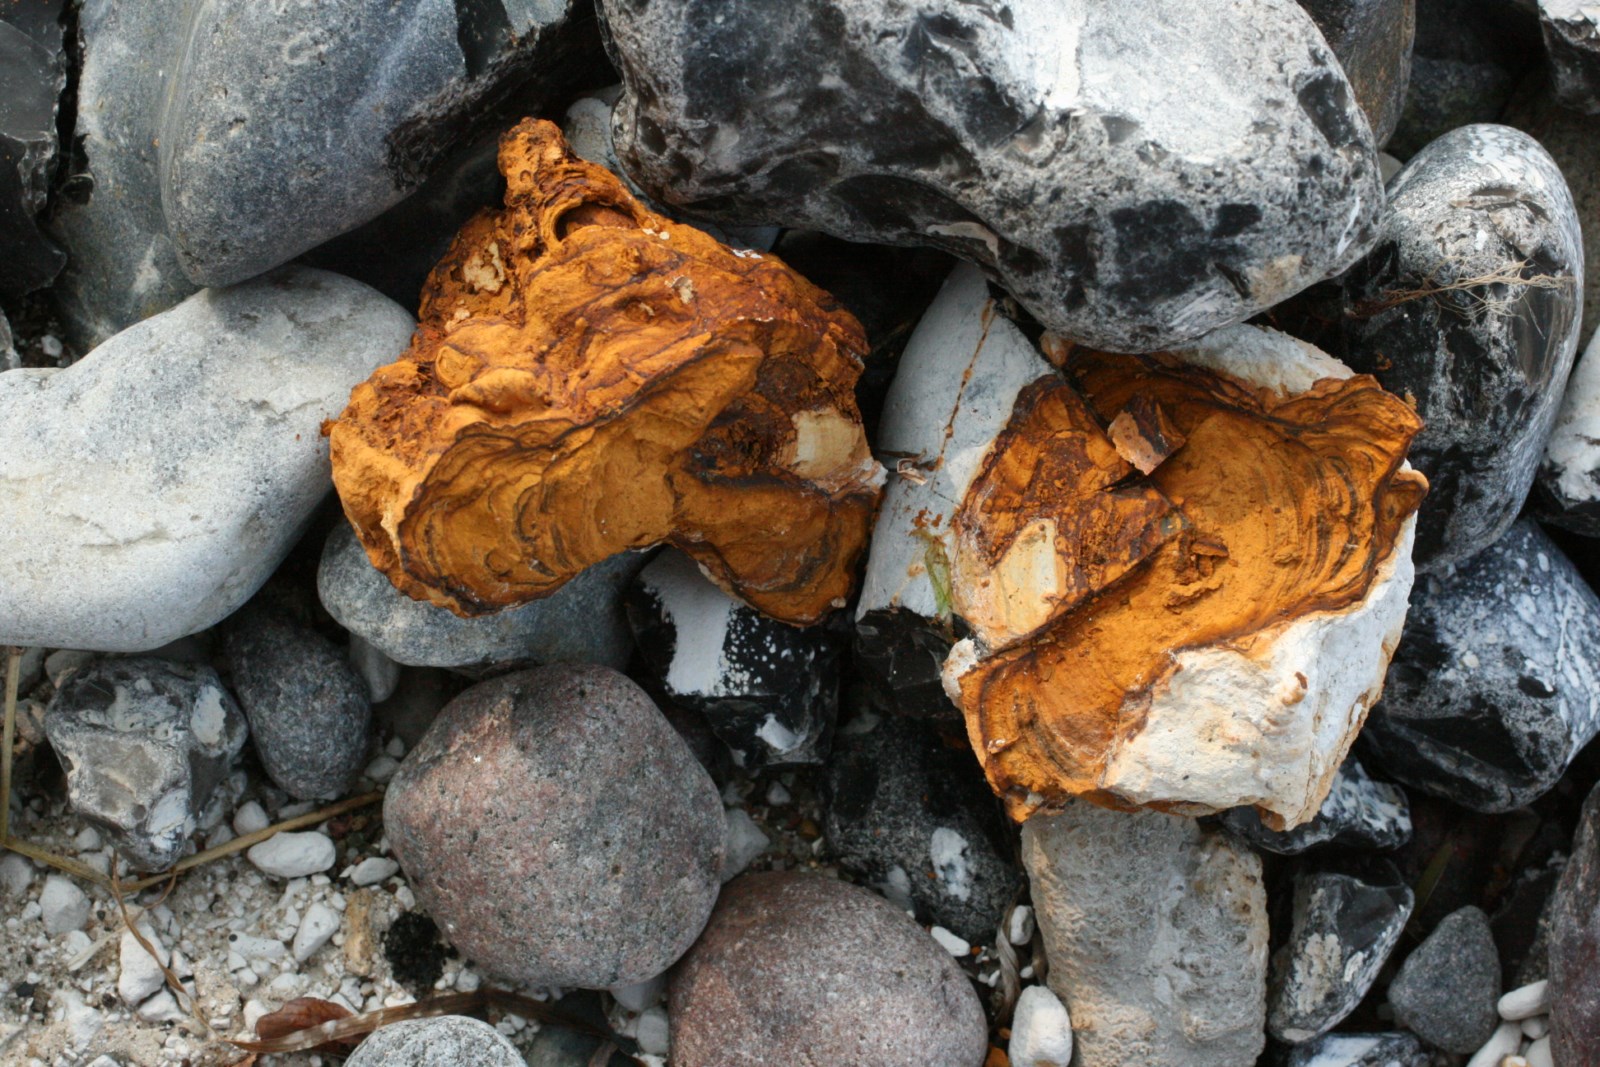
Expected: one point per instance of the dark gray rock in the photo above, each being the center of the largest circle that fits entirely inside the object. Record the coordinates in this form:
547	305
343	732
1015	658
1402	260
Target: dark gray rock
899	655
1447	988
143	743
1135	173
284	126
914	817
1572	41
800	968
1484	360
582	622
445	1041
1373	40
769	691
1496	683
1575	947
310	714
1360	1050
1359	813
1569	478
558	829
33	73
1344	927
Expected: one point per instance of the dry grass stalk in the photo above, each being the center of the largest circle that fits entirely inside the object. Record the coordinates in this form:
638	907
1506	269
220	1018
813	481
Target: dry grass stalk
1510	276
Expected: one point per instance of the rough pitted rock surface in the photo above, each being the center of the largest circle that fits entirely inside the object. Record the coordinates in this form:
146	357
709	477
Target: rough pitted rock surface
1345	925
1126	209
1373	40
143	743
447	1041
1496	684
1484	361
801	968
1156	932
155	484
1447	988
310	711
582	622
915	818
559	829
1359	813
1575	947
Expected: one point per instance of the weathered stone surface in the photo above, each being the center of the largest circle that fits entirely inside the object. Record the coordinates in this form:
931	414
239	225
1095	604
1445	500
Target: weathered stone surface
1575	947
446	1041
33	73
1470	305
1572	41
1156	931
155	484
1447	988
1016	514
914	817
1360	1050
768	690
582	622
1345	926
1373	40
1569	479
799	968
310	712
558	829
1359	813
1496	685
144	742
1127	211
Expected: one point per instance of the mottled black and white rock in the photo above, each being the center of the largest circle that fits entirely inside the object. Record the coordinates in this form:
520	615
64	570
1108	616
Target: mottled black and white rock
1569	480
1359	1050
33	73
768	690
1345	925
1156	932
1359	813
152	486
1136	174
558	829
1575	947
1447	988
1372	39
446	1041
914	817
1470	303
582	622
1496	683
1572	41
310	713
143	743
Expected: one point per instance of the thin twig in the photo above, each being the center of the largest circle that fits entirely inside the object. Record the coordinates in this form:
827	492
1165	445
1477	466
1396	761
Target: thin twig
60	863
190	1003
13	679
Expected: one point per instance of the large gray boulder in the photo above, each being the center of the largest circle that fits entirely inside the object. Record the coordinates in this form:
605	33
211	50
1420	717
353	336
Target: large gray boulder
154	485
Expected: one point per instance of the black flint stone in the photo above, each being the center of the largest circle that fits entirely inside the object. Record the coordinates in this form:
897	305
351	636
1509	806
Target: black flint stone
1359	813
32	77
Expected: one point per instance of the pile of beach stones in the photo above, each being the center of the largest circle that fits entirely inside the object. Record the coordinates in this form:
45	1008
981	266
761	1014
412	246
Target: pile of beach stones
216	220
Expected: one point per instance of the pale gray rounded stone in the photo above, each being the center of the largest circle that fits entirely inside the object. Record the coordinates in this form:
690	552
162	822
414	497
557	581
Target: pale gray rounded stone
154	485
446	1041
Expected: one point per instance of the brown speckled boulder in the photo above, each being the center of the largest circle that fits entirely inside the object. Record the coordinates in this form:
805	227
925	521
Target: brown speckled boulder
803	969
558	829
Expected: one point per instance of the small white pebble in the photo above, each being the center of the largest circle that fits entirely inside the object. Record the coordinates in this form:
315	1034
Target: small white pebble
1019	928
87	840
1536	1027
382	769
777	795
16	874
396	747
161	1008
250	817
62	906
316	928
372	870
640	995
139	974
745	841
1538	1053
1505	1041
468	981
292	855
1041	1030
952	944
1526	1002
651	1032
253	1011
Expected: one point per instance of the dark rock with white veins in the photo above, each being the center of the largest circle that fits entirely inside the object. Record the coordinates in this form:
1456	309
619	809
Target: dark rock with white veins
769	691
1569	480
1572	40
1135	173
1359	1050
1470	305
1372	39
914	817
1359	813
1447	988
33	73
144	742
1496	683
1345	926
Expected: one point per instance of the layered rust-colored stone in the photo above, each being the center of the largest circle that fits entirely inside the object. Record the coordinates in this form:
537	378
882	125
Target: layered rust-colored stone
1257	509
589	377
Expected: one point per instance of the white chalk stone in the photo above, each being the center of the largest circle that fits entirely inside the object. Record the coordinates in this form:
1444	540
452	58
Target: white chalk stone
1041	1030
373	870
1525	1002
139	974
62	905
317	926
746	841
292	855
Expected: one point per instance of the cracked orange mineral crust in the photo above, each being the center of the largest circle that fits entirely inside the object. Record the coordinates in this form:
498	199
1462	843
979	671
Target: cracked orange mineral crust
589	377
1210	514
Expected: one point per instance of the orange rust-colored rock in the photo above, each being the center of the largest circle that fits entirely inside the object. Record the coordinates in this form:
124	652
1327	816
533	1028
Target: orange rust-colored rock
589	377
1259	508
